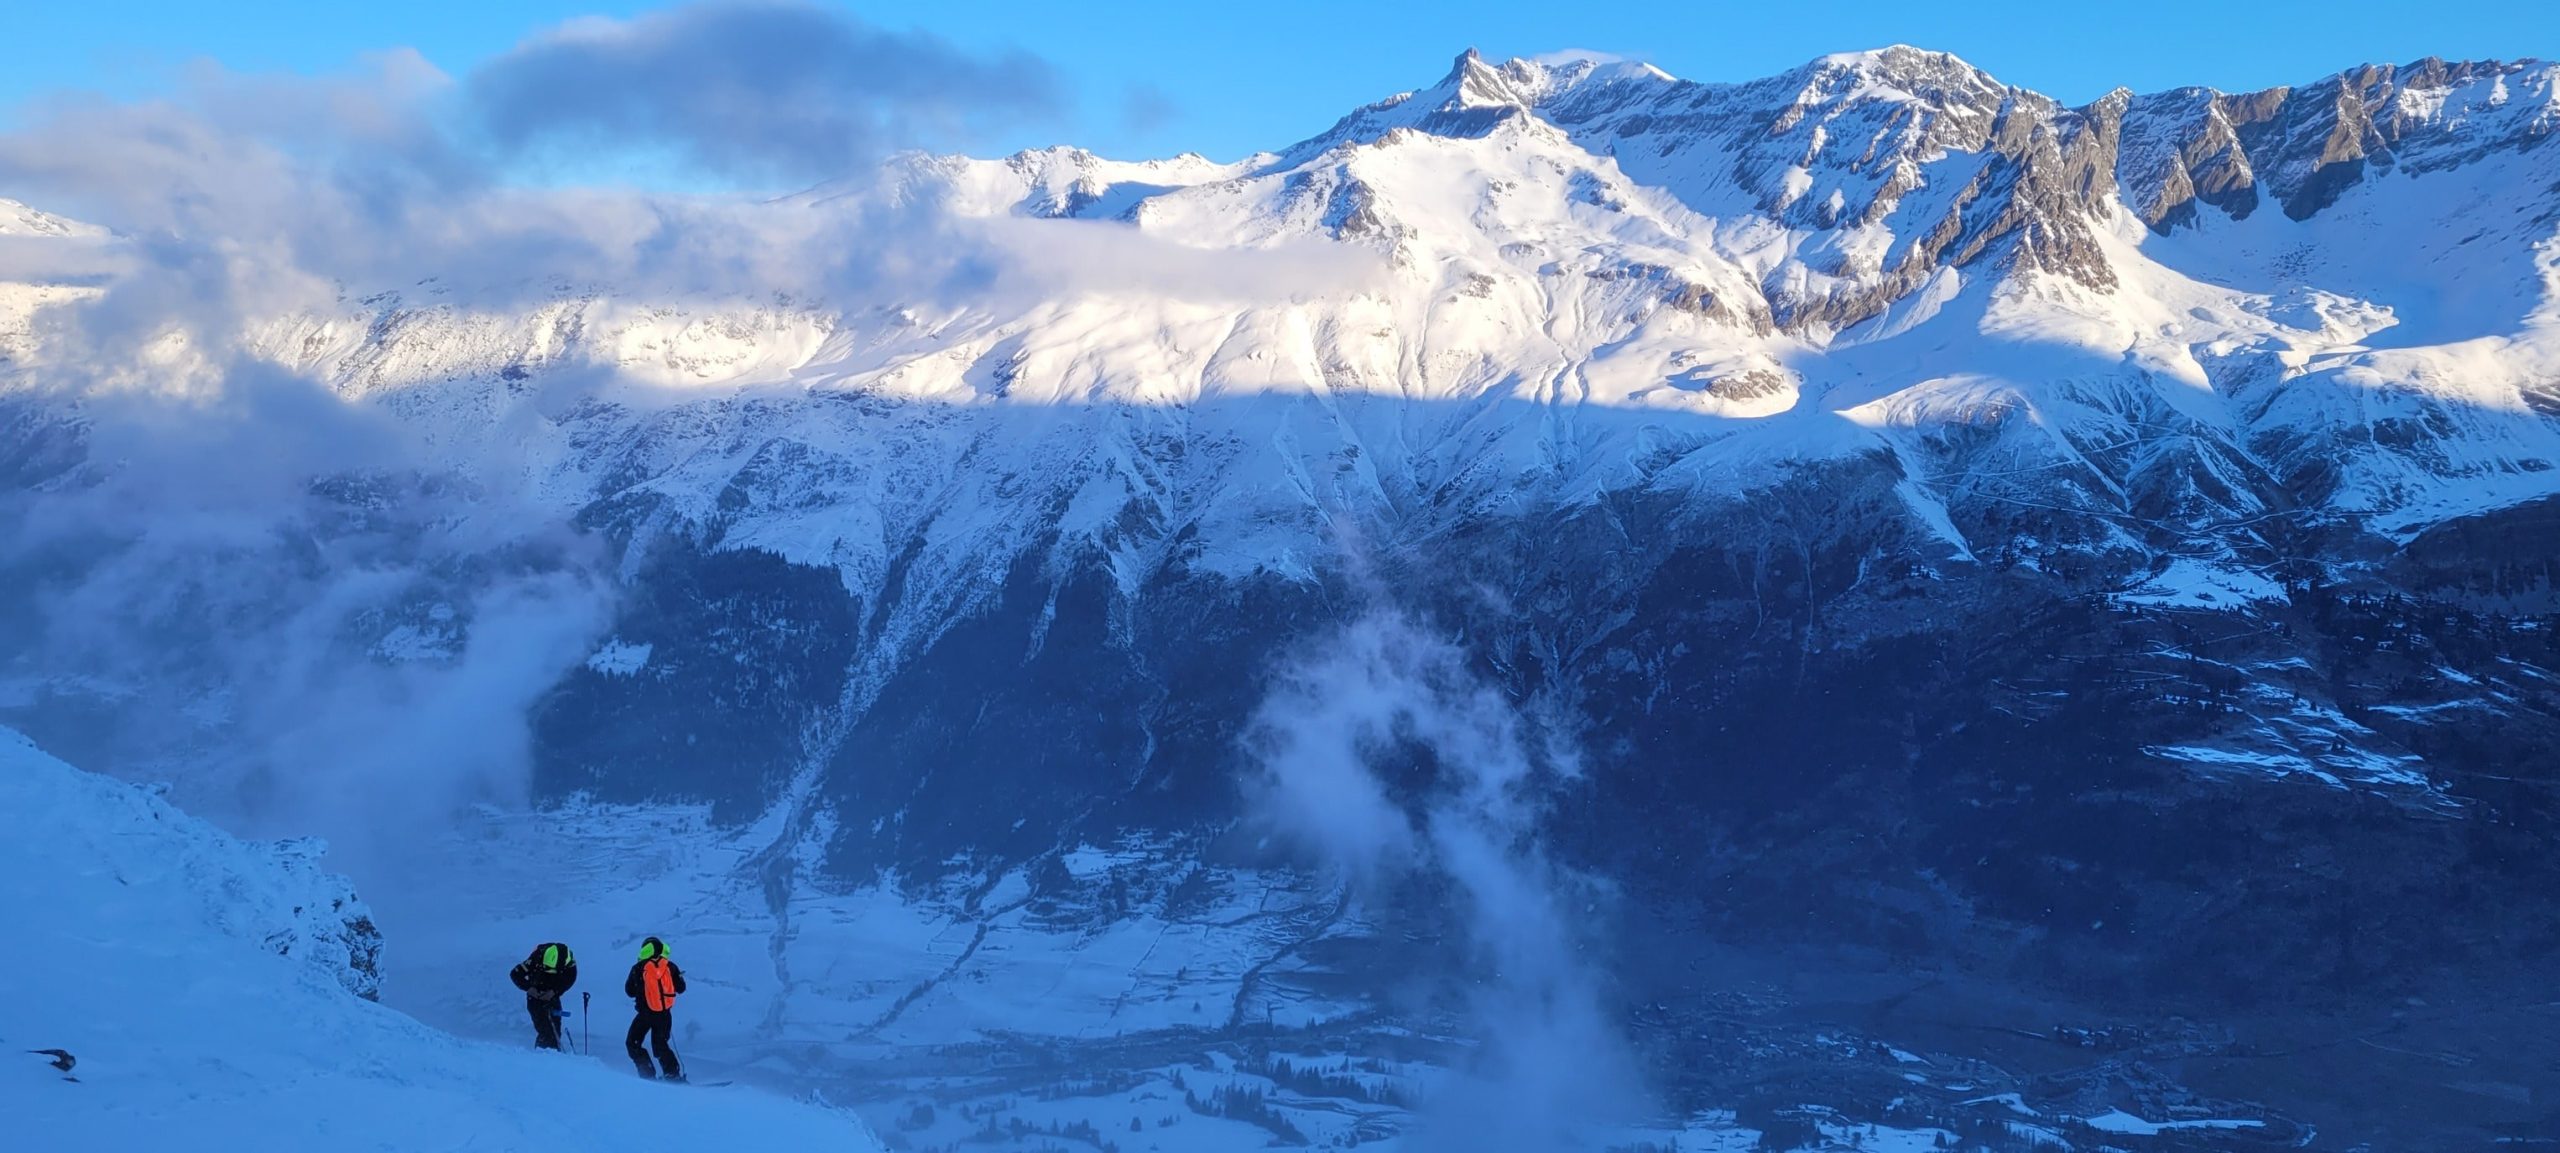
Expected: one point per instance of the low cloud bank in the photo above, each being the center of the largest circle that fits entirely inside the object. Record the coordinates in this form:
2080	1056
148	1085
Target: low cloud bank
300	604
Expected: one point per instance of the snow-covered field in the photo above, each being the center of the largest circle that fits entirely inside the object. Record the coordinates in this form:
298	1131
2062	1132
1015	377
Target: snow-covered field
195	979
846	970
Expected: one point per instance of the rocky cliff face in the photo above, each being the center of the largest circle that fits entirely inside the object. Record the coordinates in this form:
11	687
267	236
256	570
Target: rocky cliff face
1962	168
2307	145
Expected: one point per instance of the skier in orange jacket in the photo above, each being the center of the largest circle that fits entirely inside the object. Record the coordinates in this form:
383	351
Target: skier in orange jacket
652	987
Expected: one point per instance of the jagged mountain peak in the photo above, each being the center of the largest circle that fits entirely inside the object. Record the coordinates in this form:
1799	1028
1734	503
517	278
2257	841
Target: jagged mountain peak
1529	82
1917	160
2192	148
1573	85
1901	71
1474	82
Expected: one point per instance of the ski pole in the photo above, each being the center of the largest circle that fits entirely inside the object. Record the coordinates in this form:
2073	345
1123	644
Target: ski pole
586	1040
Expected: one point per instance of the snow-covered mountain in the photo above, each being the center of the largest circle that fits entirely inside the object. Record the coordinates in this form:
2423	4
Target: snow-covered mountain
2102	546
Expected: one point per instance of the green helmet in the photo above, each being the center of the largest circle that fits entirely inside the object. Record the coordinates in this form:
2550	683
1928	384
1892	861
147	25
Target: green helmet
652	949
555	957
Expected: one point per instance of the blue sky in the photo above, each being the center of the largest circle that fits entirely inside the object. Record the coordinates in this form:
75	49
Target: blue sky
1157	76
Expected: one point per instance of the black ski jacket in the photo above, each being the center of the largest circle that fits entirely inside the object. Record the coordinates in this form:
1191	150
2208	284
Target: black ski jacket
530	976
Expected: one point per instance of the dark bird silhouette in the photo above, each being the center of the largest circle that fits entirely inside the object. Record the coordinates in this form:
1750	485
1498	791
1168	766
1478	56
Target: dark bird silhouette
61	1060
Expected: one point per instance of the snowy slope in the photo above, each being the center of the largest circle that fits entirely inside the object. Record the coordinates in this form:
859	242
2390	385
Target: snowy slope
20	220
837	973
183	969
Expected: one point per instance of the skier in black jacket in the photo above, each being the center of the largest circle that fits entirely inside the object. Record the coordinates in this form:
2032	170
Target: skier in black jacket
544	975
652	987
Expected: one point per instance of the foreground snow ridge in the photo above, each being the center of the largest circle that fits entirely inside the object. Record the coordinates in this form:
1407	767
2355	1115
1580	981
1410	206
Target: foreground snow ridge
182	967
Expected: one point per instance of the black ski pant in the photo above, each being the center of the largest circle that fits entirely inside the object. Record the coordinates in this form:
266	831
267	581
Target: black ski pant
546	1022
652	1024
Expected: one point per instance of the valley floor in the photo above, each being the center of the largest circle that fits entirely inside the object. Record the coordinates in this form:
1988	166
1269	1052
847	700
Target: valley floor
1215	1012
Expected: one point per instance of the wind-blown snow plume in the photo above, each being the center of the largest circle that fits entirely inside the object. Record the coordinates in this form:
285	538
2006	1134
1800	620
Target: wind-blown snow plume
1383	751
